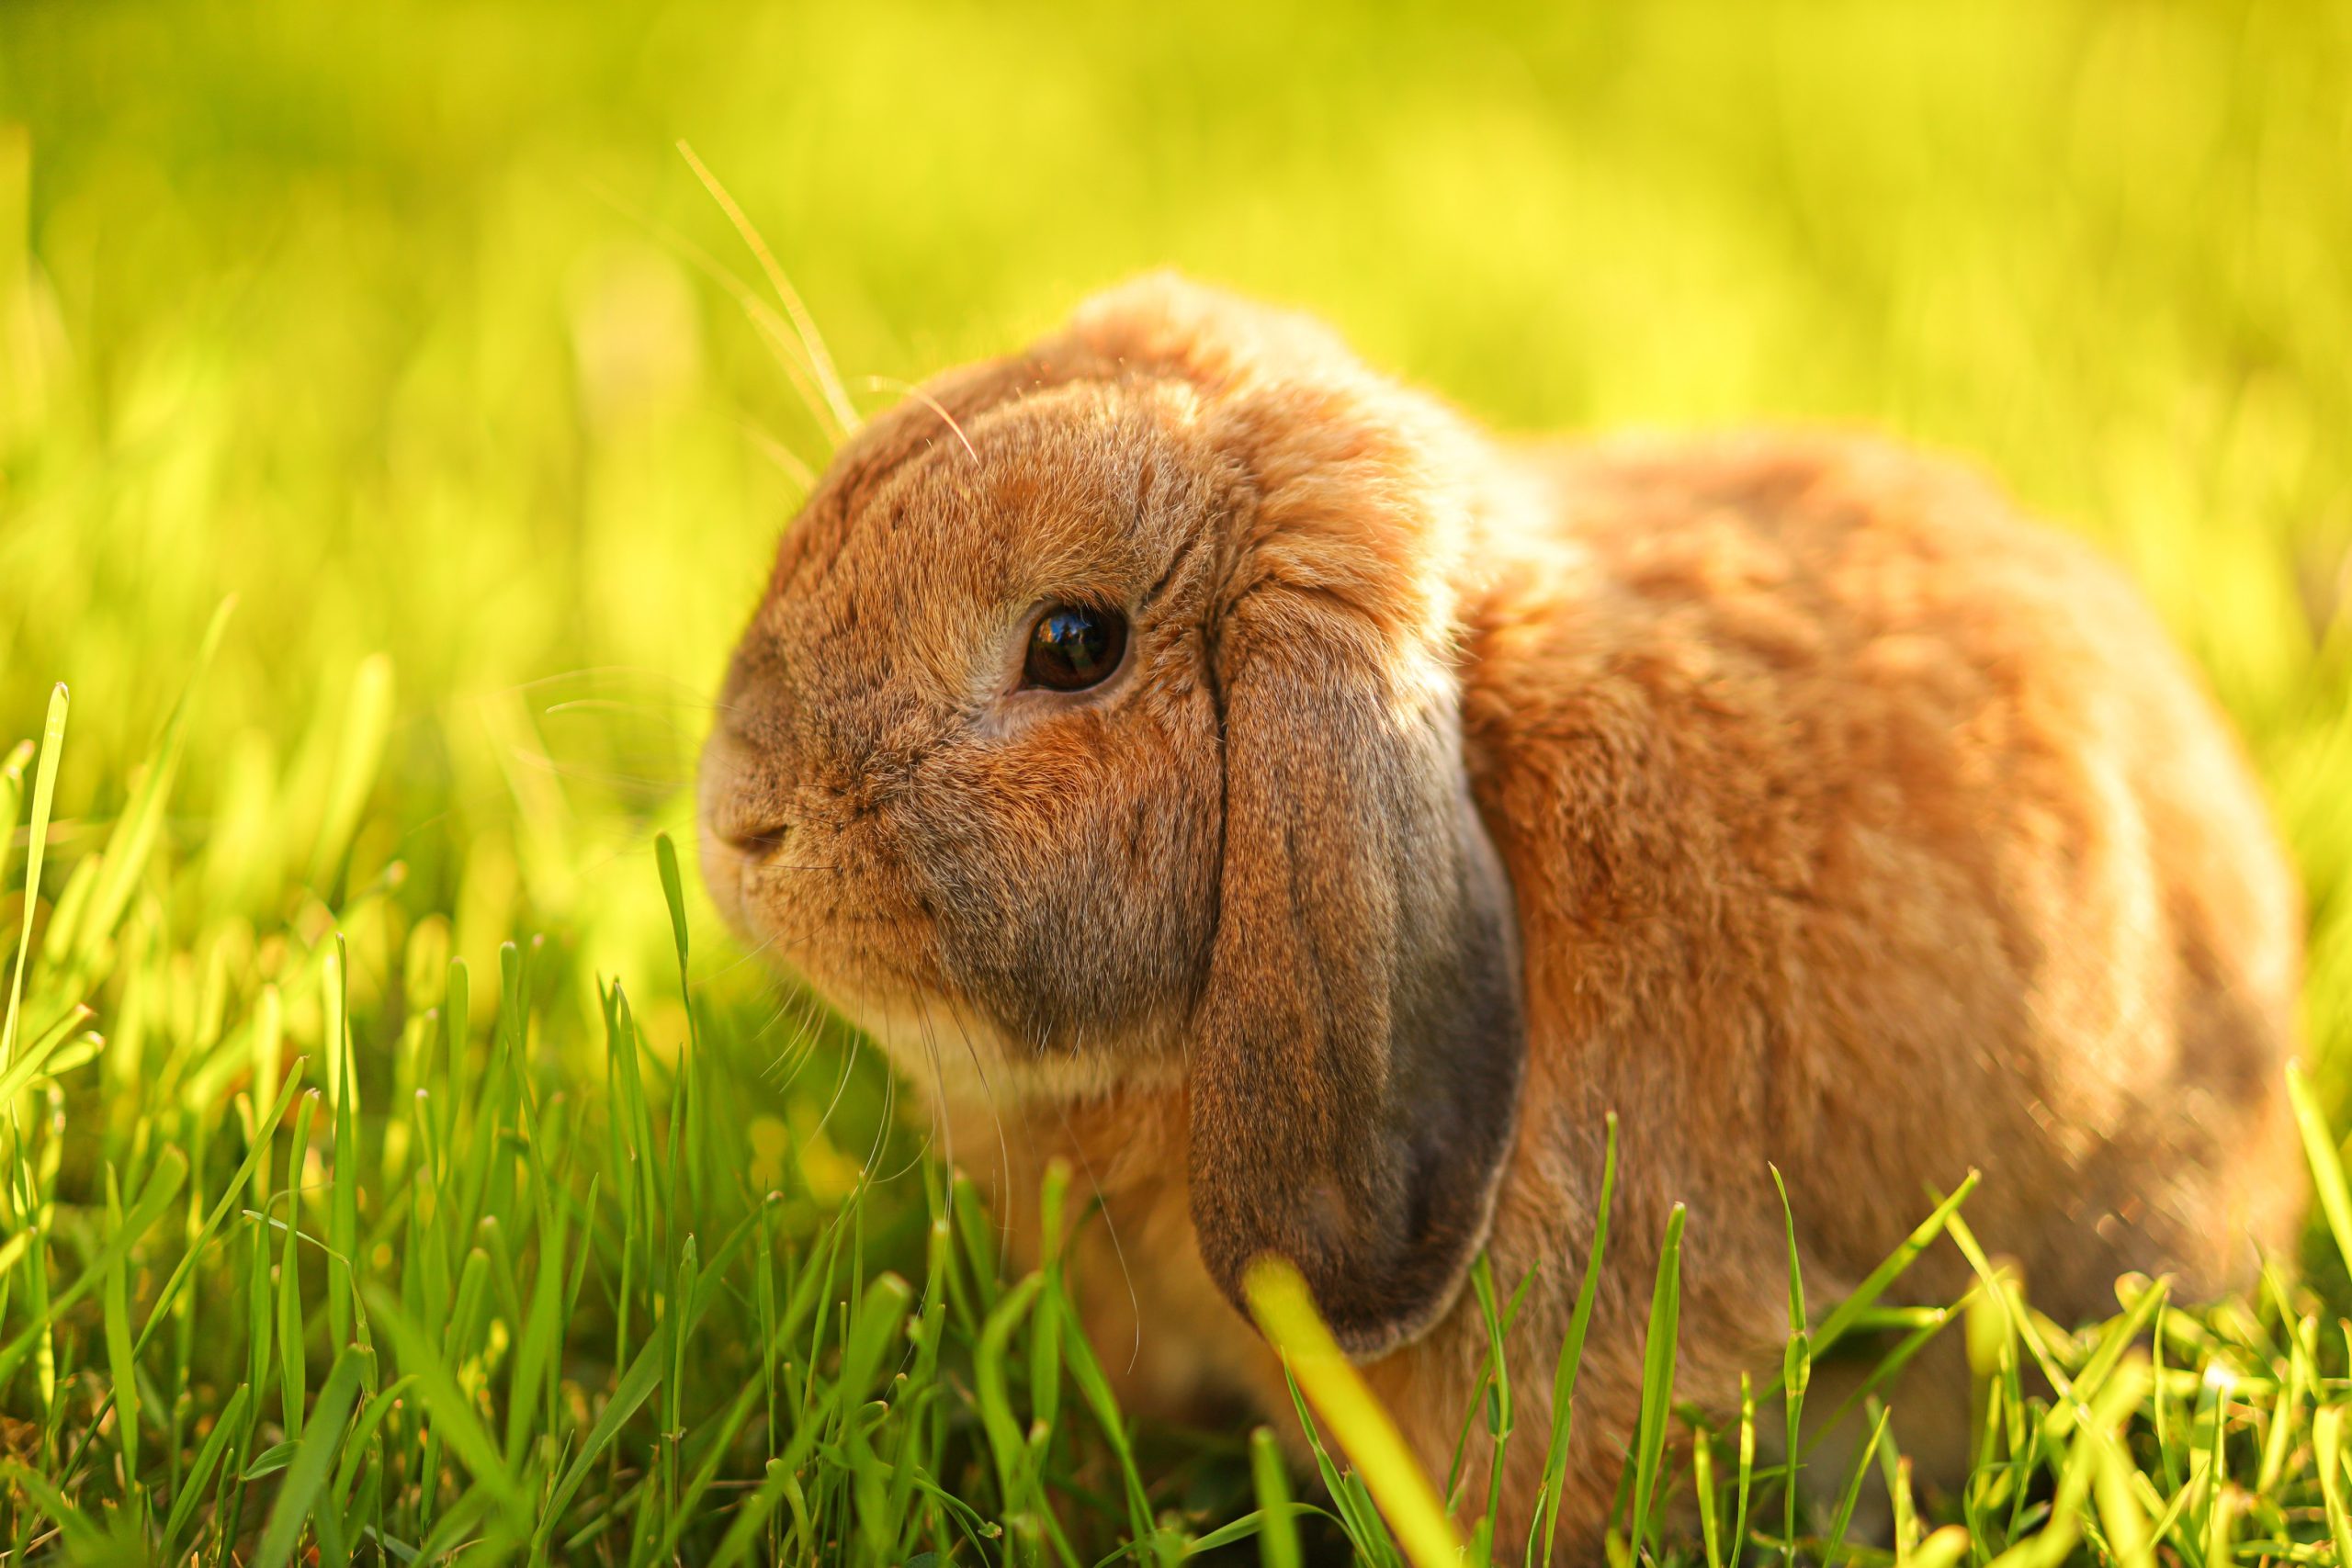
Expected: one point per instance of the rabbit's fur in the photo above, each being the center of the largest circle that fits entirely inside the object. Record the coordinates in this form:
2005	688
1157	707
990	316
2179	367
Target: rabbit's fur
1788	795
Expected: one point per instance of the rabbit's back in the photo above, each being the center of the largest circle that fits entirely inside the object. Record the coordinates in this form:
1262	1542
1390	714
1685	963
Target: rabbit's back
1862	826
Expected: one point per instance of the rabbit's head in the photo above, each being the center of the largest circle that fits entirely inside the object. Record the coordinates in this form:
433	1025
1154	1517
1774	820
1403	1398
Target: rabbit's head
1099	729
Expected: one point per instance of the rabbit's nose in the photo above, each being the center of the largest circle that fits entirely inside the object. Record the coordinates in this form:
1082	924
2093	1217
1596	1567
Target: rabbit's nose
745	796
756	836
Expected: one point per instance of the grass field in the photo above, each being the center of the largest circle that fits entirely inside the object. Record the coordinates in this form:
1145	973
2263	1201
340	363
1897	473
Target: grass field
399	1161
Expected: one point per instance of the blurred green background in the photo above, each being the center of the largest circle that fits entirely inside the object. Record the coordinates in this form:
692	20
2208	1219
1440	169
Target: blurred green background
409	326
394	321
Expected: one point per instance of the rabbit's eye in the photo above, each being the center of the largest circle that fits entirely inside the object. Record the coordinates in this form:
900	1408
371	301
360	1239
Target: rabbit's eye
1072	647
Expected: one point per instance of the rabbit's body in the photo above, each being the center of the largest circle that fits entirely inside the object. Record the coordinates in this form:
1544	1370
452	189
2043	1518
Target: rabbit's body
1850	825
1901	813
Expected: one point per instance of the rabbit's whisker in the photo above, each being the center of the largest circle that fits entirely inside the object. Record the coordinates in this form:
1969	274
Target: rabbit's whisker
987	1091
1110	1227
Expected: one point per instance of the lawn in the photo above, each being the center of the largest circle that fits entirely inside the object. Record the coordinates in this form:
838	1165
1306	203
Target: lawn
400	1160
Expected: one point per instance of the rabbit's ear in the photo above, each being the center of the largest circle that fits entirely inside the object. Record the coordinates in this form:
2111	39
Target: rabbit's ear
1358	1049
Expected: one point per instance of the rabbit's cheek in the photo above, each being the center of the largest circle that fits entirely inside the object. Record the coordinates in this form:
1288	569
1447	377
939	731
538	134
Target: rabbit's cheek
1079	929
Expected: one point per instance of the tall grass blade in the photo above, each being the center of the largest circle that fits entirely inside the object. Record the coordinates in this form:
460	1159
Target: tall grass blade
132	842
1658	1377
52	742
306	1476
2320	1153
1277	1531
1286	1312
448	1406
1571	1358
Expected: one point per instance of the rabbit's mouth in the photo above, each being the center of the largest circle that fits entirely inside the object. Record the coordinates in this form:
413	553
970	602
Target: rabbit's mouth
810	894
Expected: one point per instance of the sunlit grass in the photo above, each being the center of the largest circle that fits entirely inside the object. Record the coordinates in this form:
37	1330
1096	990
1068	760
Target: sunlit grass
399	1161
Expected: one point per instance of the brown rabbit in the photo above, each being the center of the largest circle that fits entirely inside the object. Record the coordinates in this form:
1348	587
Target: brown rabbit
1196	756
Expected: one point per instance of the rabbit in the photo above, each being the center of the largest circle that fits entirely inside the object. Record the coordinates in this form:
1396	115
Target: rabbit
1198	757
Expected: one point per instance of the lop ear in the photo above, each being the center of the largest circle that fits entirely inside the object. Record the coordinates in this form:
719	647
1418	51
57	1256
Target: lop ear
1358	1049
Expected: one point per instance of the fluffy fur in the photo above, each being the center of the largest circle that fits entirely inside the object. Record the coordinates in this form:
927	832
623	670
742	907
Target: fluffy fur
1786	794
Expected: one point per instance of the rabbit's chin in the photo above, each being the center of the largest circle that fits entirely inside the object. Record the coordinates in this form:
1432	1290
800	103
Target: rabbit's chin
950	1052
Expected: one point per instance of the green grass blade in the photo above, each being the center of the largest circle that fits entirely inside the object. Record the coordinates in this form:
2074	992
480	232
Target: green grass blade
122	1365
1385	1466
200	1474
452	1411
342	1217
132	842
1796	1372
28	1065
1702	1484
12	797
1006	1445
2327	1164
2328	1448
307	1474
367	722
1843	1317
687	1511
163	1185
1085	1372
1746	1482
84	1539
52	743
292	1355
1852	1494
744	1533
356	1456
256	1164
1571	1357
1658	1377
1278	1531
635	1386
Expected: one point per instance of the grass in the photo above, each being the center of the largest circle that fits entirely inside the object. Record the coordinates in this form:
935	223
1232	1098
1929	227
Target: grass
399	1162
